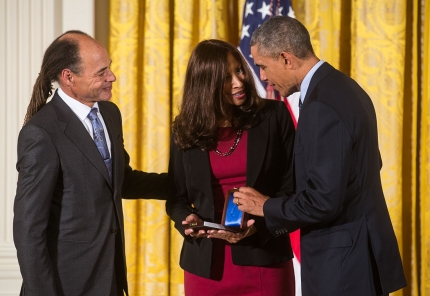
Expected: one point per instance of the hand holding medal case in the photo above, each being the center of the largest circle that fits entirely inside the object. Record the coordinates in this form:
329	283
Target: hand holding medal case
233	219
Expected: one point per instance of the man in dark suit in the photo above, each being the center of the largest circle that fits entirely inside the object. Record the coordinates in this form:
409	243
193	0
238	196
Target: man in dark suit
73	171
348	243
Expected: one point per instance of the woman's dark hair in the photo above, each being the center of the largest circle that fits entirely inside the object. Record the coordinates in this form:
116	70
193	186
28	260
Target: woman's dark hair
63	53
203	101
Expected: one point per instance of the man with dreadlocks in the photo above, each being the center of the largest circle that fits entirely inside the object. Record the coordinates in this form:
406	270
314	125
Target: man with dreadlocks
73	171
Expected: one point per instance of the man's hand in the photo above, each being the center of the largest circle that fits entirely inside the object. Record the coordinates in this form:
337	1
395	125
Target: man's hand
250	200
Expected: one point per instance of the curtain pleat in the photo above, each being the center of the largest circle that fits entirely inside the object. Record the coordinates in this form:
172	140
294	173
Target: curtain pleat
382	44
425	152
411	239
378	46
323	20
139	48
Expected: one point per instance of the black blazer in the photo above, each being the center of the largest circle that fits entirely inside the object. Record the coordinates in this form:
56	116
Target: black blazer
68	214
269	169
348	244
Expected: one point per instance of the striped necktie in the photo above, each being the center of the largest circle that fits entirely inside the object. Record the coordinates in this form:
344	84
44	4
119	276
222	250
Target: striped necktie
100	139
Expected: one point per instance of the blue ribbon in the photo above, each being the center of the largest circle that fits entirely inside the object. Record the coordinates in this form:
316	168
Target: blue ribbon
233	216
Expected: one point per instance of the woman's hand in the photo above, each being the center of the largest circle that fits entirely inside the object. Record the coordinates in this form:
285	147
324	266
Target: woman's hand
193	218
233	237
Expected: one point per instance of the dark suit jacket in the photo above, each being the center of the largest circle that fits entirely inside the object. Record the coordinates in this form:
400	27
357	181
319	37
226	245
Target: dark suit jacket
68	223
348	244
269	169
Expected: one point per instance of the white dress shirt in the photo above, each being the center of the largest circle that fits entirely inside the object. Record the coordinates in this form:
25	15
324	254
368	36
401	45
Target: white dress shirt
82	111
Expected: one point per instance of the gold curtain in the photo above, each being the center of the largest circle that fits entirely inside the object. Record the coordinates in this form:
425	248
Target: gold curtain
423	92
383	44
139	49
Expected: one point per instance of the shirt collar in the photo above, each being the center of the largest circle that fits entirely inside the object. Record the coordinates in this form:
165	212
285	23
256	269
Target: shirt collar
305	83
81	110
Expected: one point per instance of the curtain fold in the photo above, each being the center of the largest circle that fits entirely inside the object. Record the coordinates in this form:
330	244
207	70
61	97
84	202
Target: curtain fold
195	21
323	21
425	151
410	249
383	44
139	49
378	35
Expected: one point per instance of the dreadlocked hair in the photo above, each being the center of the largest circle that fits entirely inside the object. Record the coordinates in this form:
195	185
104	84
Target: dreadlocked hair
63	53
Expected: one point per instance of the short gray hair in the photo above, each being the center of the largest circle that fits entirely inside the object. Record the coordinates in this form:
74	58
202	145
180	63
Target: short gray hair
282	33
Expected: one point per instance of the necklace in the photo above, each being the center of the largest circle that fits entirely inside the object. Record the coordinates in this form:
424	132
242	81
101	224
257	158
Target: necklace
236	141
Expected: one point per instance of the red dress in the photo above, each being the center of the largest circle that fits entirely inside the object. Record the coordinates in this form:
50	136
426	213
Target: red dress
226	278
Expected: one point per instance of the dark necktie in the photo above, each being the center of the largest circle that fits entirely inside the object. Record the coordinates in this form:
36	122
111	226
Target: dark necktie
300	104
100	139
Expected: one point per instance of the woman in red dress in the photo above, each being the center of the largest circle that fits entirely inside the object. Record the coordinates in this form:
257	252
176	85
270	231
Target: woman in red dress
226	136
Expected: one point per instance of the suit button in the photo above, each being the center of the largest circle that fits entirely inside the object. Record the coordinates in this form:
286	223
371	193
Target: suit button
113	230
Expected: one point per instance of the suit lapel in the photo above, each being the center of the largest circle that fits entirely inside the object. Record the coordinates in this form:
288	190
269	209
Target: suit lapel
76	132
256	150
198	170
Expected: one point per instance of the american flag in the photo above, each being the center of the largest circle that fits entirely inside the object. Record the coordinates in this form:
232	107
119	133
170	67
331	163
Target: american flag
255	12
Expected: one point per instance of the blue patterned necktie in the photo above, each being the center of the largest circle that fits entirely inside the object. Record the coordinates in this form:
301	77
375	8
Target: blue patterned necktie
100	139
